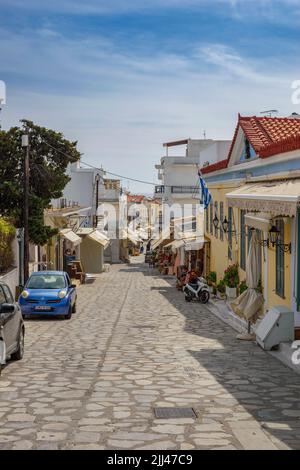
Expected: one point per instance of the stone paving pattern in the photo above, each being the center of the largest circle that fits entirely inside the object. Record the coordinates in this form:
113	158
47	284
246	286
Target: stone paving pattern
134	344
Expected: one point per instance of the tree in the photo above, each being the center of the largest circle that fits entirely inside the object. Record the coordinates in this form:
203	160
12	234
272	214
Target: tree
50	154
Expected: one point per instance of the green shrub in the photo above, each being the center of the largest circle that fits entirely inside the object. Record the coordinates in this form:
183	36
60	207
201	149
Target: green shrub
243	287
212	278
221	287
7	234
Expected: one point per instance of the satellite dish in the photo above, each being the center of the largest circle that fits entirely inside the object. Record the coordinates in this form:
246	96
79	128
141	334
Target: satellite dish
2	93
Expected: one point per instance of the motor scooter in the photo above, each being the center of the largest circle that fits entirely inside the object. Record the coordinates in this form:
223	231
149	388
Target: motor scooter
197	289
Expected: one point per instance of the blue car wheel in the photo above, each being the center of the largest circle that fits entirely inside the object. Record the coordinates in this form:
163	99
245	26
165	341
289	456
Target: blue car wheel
69	314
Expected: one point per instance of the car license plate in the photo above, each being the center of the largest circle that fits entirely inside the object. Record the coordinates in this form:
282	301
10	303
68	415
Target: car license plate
43	308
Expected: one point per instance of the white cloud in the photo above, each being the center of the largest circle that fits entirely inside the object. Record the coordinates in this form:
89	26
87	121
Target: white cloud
121	105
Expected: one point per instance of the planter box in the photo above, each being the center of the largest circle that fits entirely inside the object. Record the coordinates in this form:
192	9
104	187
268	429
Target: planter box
231	292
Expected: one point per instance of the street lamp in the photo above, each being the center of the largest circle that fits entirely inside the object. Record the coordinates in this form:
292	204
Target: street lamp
275	241
273	235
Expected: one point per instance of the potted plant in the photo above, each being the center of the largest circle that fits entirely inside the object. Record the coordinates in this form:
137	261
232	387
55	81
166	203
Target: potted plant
211	281
242	287
231	279
221	289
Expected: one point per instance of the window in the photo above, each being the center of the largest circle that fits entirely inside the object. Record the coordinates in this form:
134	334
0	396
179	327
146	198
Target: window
8	294
216	215
211	216
280	261
248	151
2	296
243	241
230	233
221	220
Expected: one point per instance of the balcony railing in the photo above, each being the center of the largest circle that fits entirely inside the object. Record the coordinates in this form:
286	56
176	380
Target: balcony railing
184	190
159	189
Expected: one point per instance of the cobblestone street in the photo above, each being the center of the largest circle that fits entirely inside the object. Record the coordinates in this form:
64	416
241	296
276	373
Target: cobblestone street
134	344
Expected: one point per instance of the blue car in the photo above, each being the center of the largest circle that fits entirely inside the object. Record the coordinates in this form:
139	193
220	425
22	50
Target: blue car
48	293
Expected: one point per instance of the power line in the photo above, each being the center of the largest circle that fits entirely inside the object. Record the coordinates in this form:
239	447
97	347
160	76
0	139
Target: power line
117	175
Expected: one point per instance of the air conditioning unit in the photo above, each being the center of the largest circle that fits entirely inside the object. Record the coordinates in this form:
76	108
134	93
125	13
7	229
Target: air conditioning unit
276	327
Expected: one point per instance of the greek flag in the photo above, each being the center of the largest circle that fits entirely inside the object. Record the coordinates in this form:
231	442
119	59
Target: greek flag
205	194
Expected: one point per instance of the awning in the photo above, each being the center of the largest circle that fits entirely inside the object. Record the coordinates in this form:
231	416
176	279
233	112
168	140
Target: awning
71	236
279	198
163	238
258	220
194	245
131	235
99	237
175	245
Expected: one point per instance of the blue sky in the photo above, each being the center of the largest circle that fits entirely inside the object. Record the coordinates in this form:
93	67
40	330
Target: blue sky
121	77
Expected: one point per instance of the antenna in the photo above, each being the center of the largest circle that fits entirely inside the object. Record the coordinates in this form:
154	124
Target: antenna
270	112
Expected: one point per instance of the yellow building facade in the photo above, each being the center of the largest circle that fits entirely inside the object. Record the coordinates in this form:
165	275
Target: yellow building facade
257	187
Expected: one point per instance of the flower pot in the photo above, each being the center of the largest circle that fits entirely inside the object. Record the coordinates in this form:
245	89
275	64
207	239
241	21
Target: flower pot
231	292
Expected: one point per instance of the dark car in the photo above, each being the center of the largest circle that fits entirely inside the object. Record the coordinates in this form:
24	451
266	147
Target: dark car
12	330
48	293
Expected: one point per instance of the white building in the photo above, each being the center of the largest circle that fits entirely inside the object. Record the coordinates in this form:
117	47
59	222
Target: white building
179	174
82	189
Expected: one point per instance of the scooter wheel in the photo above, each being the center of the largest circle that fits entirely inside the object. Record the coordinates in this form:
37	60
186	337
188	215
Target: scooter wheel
188	298
204	297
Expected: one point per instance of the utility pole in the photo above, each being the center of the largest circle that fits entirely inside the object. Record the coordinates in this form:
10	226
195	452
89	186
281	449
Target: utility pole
97	179
25	145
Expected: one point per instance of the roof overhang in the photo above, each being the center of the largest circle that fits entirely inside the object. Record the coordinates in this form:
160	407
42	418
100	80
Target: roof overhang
275	198
176	142
71	236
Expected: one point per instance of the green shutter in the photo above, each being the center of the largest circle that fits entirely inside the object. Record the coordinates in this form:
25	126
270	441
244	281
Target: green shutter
216	214
242	242
280	261
230	233
221	220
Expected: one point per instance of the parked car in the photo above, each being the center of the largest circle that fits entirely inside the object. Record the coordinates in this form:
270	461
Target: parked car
48	293
12	329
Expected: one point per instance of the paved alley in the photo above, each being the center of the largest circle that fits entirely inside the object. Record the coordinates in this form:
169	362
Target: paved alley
134	345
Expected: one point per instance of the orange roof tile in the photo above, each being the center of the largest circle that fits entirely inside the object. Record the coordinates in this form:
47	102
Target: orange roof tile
268	136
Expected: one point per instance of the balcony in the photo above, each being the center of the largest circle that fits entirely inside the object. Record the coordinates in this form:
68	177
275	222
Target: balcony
184	190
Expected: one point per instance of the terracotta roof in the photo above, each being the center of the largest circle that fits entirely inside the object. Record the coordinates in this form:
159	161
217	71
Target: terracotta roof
214	166
268	136
135	198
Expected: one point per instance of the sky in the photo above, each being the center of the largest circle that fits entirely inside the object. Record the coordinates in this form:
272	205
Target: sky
123	76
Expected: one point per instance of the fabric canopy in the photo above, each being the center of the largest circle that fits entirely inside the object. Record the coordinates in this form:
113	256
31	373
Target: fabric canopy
194	245
275	197
249	303
99	237
258	220
71	236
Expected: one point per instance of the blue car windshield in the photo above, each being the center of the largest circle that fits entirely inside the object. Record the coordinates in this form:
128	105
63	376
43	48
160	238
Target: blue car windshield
46	281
